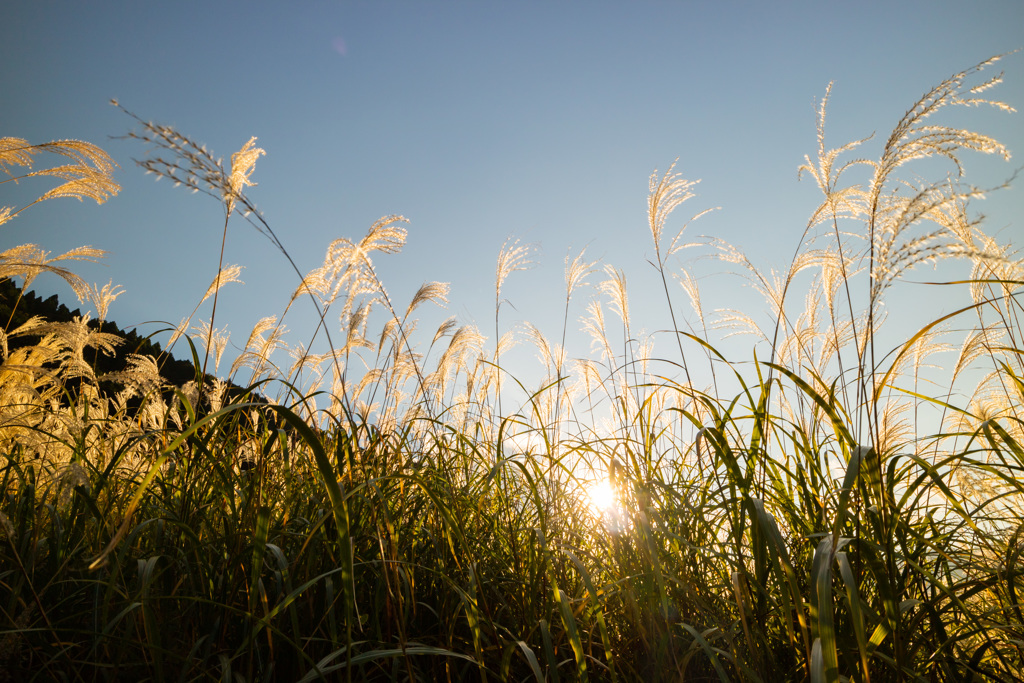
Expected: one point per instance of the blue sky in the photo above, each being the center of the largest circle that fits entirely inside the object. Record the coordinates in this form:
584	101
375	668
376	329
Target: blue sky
476	121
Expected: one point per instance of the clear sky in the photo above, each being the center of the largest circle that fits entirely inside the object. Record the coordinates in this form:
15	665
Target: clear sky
476	121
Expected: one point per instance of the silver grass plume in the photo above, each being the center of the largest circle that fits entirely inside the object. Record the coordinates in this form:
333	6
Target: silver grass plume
89	175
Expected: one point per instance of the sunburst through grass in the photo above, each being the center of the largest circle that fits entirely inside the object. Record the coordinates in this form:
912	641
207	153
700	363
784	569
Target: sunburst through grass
605	505
382	509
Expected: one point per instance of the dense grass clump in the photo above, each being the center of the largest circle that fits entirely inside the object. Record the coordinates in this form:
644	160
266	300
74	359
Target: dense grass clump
408	511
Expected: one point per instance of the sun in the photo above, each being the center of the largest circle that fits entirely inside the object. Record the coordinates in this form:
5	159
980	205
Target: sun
601	497
605	505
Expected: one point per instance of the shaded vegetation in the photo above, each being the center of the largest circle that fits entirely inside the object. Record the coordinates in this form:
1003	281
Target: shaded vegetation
17	308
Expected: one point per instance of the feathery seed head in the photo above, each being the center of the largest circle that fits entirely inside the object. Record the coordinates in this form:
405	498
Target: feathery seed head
102	298
28	261
218	340
444	329
665	194
15	152
615	288
242	164
227	274
689	285
512	257
385	236
577	272
429	291
89	175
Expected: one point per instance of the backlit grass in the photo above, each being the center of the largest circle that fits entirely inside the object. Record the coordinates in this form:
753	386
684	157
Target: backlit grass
403	508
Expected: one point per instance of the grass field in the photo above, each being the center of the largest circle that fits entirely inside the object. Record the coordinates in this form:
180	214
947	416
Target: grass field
828	510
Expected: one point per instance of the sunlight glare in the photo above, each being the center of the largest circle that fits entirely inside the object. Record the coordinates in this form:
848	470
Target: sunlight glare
605	505
602	496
